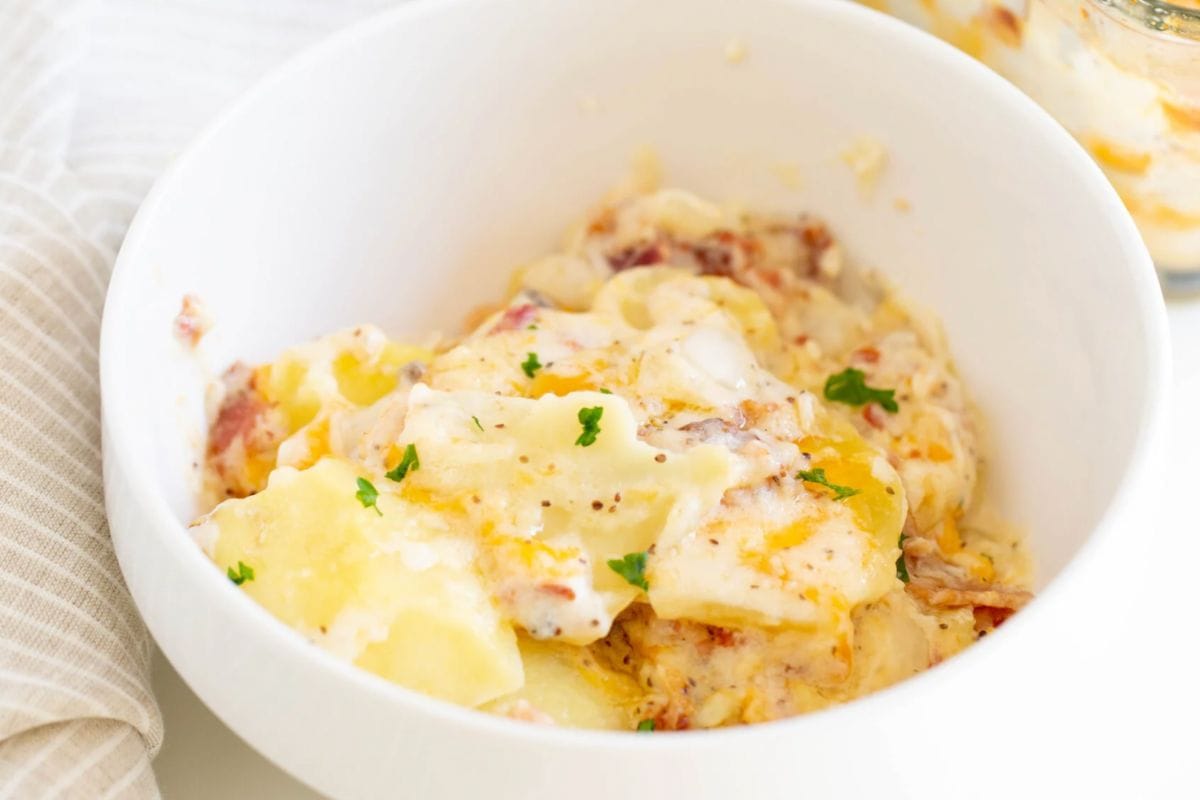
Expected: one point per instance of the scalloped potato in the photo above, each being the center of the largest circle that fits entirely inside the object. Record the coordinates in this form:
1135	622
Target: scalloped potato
690	473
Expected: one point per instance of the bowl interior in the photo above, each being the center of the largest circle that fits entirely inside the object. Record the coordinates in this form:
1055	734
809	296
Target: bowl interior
402	188
398	175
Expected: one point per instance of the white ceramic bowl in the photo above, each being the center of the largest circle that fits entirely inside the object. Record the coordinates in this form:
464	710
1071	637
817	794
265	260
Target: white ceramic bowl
397	173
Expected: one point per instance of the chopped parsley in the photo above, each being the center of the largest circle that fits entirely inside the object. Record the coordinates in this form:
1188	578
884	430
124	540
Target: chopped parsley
602	390
849	387
818	476
531	327
243	573
901	567
589	418
477	424
408	461
530	365
632	567
646	726
368	495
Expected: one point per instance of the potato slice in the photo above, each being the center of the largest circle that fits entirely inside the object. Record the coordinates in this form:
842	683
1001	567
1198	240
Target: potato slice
395	592
571	688
552	511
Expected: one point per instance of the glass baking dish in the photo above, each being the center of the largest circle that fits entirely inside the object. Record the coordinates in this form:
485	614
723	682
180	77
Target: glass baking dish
1123	76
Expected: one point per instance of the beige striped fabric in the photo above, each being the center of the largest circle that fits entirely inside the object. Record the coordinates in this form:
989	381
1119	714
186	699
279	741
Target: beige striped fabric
95	97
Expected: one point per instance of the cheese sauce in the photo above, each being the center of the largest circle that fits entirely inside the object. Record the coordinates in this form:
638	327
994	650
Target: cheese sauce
690	473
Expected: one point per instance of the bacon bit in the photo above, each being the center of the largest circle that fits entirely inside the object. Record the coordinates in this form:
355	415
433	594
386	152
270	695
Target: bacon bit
721	637
240	411
814	233
988	618
243	437
191	323
875	416
515	318
771	277
938	583
714	259
558	590
816	239
937	595
638	255
868	355
801	339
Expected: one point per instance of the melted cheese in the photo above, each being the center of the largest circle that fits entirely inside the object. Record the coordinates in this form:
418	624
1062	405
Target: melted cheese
552	513
394	592
486	578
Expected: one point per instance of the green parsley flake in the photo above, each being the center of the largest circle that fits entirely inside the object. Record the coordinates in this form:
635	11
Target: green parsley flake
901	566
602	390
589	418
530	365
646	726
478	424
849	387
818	476
243	573
632	568
408	461
368	495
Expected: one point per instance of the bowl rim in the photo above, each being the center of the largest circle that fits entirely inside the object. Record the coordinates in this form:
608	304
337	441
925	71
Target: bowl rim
1146	301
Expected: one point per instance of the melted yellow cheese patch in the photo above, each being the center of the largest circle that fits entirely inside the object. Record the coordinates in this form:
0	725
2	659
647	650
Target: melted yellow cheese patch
394	592
552	512
790	555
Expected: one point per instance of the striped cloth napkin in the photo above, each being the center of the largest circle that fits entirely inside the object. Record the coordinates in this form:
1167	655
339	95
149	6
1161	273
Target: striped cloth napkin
95	98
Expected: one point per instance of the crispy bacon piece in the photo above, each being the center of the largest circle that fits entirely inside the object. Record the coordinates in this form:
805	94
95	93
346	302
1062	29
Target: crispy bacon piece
976	595
239	410
940	584
867	355
813	239
643	254
515	318
191	323
713	255
558	590
720	637
875	416
244	435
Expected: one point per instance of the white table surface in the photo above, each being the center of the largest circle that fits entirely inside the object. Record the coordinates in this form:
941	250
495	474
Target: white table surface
201	758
